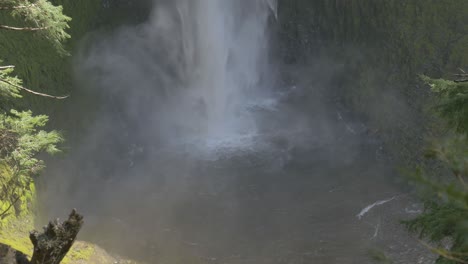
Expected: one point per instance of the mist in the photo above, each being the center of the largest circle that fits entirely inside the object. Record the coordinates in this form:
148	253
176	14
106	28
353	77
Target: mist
205	148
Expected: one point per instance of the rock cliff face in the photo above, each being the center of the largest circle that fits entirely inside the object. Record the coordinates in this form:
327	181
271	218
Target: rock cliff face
374	53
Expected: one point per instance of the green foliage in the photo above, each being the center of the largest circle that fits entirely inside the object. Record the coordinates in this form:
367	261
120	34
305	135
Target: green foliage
37	62
442	220
452	102
446	198
8	82
41	16
38	17
21	136
40	65
30	142
453	152
23	141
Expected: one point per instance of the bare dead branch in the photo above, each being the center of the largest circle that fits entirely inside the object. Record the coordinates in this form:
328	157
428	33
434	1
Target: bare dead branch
8	190
22	28
462	76
444	253
15	7
6	67
4	213
460	178
34	92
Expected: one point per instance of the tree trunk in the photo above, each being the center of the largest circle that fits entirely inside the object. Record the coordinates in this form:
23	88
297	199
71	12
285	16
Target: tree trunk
51	246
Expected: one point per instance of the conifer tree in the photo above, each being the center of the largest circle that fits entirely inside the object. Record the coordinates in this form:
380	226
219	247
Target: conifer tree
21	137
39	17
445	213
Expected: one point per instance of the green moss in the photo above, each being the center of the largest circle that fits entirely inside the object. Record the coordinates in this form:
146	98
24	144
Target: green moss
15	233
79	251
23	207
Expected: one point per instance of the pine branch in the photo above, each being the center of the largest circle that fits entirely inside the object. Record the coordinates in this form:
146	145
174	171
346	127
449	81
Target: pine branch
34	92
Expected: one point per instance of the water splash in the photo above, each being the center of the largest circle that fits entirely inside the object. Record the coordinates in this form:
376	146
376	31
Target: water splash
196	70
223	62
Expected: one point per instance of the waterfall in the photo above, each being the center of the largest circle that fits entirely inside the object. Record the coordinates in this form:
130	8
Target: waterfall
220	52
188	74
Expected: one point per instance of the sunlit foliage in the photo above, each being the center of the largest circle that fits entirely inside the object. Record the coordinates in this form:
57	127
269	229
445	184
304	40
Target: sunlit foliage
21	137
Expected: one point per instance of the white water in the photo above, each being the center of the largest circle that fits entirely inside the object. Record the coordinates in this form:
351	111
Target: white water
223	61
195	71
193	77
